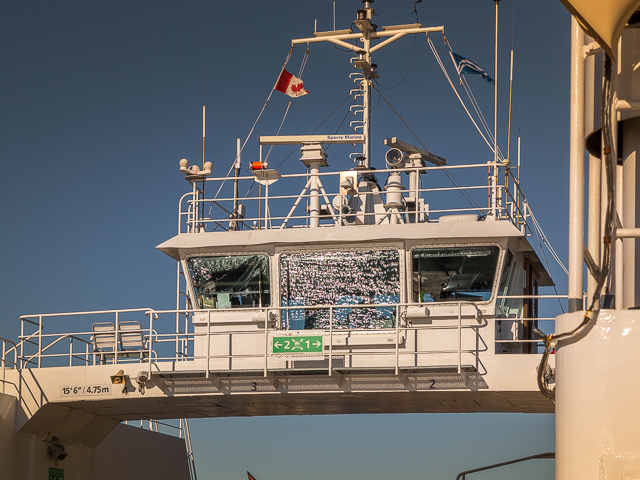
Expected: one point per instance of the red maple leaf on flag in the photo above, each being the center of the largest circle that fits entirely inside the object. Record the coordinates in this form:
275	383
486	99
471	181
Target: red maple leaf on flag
290	85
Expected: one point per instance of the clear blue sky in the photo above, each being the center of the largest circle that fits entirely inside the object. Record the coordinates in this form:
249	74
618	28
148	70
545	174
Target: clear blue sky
100	100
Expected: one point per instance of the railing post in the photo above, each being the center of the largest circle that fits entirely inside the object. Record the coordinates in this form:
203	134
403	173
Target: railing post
266	206
150	344
330	340
39	341
479	338
194	209
206	373
4	367
397	310
70	351
116	335
266	342
21	343
417	209
459	338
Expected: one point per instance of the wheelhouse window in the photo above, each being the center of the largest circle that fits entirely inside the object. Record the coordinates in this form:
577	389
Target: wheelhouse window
454	274
340	278
233	281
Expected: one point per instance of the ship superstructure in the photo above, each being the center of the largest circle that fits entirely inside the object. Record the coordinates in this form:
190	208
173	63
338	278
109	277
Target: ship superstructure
359	290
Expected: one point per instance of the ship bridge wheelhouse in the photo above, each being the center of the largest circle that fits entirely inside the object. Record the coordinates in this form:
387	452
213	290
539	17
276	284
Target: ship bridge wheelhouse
416	295
368	268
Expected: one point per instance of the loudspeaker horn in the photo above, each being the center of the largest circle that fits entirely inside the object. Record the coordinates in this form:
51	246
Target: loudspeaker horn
604	20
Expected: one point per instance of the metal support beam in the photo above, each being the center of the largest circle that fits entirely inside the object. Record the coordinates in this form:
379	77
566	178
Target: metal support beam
576	170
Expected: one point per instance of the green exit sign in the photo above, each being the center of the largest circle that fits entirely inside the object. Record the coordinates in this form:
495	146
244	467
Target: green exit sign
56	473
298	344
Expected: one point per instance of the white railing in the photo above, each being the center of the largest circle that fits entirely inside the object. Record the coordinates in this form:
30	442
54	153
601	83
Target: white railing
79	346
62	347
265	208
9	349
274	315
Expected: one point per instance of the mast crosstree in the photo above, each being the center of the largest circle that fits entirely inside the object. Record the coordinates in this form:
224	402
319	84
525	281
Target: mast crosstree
368	33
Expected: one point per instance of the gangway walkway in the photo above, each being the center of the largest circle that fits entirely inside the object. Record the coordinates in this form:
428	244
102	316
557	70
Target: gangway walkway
65	381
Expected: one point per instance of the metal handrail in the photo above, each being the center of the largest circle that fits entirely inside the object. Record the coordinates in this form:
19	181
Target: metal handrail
265	332
547	455
41	351
37	357
3	360
156	342
192	201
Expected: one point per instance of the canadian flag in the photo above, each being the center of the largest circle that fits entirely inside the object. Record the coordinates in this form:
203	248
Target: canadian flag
290	85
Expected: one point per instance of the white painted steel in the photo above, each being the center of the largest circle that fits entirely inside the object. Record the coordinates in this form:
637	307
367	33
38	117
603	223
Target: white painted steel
628	232
314	200
494	168
595	175
597	392
631	214
353	36
618	254
628	75
366	104
627	104
576	169
366	36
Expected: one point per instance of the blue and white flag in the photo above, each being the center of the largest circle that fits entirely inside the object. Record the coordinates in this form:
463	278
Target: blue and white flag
464	65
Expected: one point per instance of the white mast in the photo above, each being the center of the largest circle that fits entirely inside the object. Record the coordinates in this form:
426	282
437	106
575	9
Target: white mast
368	32
576	168
494	176
364	24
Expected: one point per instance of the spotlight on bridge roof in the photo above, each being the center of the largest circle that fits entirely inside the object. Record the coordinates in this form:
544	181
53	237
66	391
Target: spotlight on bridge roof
394	158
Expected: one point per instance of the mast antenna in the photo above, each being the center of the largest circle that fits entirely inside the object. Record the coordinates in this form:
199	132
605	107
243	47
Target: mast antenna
510	89
204	103
415	10
494	175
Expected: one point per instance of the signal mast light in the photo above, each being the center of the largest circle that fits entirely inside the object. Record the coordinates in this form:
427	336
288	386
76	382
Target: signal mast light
258	166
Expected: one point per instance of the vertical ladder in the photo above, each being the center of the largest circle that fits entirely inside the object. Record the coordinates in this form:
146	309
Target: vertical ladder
357	108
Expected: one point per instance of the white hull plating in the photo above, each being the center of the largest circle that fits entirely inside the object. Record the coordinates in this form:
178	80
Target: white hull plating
597	407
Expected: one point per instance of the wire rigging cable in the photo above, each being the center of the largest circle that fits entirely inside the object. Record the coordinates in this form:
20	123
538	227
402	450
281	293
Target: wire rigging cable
474	103
453	180
254	124
546	242
302	66
252	188
542	239
472	99
408	66
489	142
